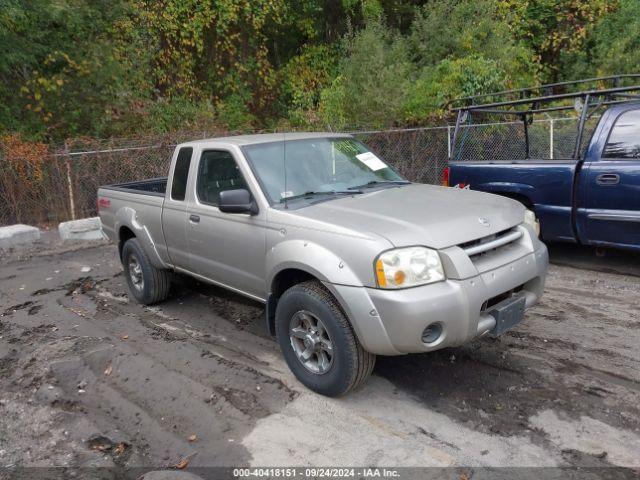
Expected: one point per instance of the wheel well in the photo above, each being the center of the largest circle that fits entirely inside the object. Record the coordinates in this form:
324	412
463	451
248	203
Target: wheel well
523	199
124	234
288	278
284	280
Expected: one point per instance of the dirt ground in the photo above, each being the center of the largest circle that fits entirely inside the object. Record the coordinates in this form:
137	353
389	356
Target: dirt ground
89	378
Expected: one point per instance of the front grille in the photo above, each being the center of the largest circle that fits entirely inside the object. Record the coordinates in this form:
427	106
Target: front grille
492	242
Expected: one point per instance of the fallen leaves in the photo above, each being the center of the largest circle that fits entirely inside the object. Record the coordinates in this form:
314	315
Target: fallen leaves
120	448
101	443
108	370
184	462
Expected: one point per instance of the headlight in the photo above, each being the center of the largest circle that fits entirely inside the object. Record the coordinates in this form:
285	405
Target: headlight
408	267
530	219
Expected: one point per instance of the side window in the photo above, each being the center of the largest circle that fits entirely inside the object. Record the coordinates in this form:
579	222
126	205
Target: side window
181	173
624	141
217	172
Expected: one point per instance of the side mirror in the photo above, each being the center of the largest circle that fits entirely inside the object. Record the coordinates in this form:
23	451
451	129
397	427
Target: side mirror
237	201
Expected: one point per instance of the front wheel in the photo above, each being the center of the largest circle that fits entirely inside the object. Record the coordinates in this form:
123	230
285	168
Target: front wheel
147	283
318	342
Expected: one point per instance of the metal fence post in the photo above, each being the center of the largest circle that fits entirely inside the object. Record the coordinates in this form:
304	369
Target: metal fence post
448	141
551	139
72	203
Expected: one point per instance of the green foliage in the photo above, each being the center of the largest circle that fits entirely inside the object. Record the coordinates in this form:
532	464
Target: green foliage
446	29
452	78
556	30
211	48
303	79
372	81
56	68
115	67
332	104
179	113
616	41
371	10
232	112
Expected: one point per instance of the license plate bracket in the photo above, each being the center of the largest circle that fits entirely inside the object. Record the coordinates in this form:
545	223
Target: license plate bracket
507	313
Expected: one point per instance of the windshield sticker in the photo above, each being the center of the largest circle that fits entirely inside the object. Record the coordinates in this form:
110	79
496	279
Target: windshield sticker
371	161
346	146
286	194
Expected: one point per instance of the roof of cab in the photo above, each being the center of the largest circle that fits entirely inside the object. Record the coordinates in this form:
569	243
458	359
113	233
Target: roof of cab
241	140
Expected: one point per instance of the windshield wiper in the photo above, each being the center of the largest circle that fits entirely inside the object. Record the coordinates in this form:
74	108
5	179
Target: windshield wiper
312	193
374	183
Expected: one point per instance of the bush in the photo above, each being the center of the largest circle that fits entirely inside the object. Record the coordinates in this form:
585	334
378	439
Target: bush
451	79
452	29
332	104
178	113
372	80
303	79
233	113
616	41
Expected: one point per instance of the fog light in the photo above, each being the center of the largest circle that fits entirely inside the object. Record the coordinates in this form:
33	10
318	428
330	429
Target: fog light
432	333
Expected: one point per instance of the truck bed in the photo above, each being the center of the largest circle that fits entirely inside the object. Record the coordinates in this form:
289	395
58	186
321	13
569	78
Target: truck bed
152	186
146	199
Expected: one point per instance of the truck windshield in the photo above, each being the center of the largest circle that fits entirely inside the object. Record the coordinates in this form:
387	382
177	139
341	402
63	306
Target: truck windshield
300	168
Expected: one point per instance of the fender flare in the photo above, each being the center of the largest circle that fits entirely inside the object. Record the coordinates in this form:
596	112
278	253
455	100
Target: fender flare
312	258
126	217
340	280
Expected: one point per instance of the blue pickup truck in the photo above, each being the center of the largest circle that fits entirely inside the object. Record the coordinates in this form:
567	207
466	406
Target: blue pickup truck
591	195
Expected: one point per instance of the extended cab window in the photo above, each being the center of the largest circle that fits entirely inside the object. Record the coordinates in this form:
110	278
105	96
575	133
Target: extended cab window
217	172
624	141
181	173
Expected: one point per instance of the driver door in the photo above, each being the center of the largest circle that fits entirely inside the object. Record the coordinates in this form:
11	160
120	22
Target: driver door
226	248
612	186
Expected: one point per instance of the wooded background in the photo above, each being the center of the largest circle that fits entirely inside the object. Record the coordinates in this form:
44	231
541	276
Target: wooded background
103	68
110	77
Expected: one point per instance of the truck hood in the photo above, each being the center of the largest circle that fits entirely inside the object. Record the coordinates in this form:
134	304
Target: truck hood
417	214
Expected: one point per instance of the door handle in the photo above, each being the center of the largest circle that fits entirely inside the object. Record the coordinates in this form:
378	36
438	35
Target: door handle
608	179
194	218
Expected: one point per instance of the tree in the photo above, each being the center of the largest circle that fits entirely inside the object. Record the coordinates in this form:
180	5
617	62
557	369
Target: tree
303	79
556	30
451	29
451	78
58	72
211	49
112	67
372	79
615	46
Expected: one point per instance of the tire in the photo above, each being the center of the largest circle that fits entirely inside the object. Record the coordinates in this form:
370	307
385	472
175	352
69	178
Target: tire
147	284
349	364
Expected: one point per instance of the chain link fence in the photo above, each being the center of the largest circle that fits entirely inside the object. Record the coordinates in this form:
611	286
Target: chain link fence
63	185
549	138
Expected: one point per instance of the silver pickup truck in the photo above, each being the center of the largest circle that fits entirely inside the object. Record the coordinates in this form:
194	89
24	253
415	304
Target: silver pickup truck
350	259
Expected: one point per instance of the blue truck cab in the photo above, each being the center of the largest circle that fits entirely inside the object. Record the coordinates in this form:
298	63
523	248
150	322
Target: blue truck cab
592	197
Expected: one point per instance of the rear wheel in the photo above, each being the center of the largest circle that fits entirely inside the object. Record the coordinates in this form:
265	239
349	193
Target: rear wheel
318	342
147	283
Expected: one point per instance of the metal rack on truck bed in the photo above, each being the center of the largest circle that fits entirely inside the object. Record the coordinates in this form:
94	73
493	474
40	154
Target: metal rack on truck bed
583	189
